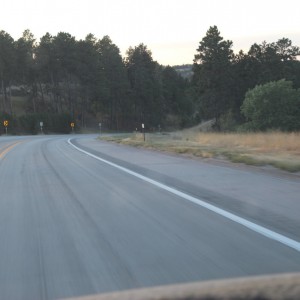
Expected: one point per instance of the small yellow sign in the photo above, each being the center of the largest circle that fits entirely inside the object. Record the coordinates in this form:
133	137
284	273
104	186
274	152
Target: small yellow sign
72	124
5	123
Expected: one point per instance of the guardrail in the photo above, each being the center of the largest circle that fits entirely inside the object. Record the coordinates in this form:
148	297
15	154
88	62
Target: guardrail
275	287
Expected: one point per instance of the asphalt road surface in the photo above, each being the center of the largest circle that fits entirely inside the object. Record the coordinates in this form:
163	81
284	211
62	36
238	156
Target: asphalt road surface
72	224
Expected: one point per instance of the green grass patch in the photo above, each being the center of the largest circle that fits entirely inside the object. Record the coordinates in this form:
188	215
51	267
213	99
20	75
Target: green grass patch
245	159
286	166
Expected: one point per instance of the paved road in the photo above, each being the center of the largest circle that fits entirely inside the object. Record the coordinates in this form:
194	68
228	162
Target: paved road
72	225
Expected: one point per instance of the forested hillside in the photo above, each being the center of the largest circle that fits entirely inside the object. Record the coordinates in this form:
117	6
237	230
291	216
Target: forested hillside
59	80
88	81
222	78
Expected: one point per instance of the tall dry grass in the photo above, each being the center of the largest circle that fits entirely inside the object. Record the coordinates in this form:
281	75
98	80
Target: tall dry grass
260	142
279	149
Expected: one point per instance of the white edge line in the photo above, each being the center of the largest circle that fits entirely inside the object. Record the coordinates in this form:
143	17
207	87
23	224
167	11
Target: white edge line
250	225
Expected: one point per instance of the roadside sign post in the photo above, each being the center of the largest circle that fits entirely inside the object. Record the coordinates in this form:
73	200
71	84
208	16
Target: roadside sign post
72	126
143	129
5	123
41	125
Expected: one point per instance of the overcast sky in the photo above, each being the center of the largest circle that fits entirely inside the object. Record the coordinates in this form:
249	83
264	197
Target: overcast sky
171	29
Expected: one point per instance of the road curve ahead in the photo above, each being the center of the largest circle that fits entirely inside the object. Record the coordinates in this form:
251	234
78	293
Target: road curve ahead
75	223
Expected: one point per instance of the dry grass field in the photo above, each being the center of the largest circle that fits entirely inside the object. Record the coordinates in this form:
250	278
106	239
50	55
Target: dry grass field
281	150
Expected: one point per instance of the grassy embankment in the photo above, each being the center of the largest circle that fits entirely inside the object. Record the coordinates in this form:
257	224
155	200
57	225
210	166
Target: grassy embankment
278	149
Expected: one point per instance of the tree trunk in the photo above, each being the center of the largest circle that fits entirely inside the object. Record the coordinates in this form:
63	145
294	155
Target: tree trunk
10	101
69	92
54	93
3	96
42	94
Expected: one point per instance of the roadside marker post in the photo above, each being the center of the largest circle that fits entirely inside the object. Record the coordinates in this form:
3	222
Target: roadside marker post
5	123
41	125
100	125
143	128
72	126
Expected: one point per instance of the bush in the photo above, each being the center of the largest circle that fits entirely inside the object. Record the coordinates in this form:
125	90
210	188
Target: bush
275	105
227	122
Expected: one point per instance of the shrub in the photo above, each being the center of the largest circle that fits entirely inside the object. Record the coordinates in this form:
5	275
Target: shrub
275	105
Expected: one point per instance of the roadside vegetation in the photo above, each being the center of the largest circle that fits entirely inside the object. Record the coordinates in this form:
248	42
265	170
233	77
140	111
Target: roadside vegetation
278	149
88	82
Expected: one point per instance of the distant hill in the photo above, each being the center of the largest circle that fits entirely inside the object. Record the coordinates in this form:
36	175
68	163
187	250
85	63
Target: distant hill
186	71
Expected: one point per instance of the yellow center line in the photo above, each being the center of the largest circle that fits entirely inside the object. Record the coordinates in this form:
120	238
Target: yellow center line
7	149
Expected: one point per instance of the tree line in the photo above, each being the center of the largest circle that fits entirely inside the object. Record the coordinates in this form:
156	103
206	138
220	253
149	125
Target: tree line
87	81
222	82
90	81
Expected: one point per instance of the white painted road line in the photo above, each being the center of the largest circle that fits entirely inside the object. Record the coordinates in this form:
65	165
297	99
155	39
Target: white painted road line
250	225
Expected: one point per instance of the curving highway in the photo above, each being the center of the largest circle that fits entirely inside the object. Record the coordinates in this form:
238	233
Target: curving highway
80	216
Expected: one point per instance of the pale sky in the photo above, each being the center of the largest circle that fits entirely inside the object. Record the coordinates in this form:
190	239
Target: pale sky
171	29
